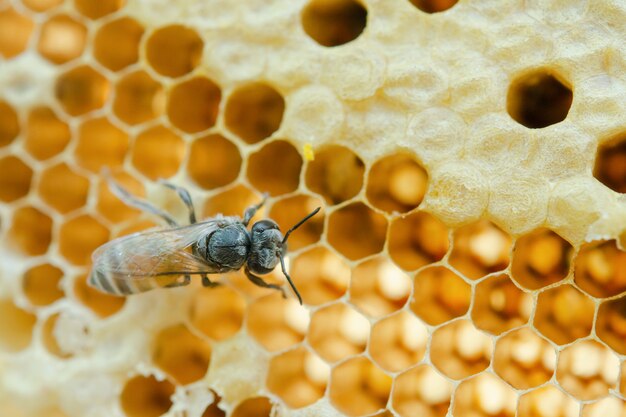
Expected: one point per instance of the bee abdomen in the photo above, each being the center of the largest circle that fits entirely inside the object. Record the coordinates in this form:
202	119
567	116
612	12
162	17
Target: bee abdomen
107	283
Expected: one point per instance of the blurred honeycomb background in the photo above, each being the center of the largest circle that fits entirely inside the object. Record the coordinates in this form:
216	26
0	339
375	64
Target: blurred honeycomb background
470	159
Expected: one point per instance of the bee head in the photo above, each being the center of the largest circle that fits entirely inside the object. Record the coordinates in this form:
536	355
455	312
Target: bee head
266	248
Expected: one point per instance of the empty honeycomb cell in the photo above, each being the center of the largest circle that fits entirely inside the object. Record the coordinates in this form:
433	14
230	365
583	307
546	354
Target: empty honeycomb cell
254	407
540	258
100	144
275	168
398	342
42	284
81	90
181	354
440	295
277	323
15	178
49	337
547	401
103	305
145	396
98	9
421	391
111	207
158	152
479	249
298	377
336	174
587	370
358	387
524	359
600	269
15	32
289	211
378	287
31	231
116	44
611	324
41	5
539	98
334	22
79	237
254	111
46	134
610	163
63	189
217	312
499	305
214	161
174	50
62	39
9	123
417	240
193	105
320	275
337	332
357	231
16	333
433	6
138	98
557	320
396	183
609	406
484	396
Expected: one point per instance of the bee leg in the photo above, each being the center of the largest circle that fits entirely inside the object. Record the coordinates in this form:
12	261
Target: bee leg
206	282
251	211
184	195
178	283
259	281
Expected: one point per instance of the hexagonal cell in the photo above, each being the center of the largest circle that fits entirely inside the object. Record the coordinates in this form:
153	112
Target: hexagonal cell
81	90
62	39
277	323
213	409
610	163
138	98
98	9
440	295
547	401
158	152
31	231
421	391
49	334
609	406
378	287
254	111
15	177
181	354
356	231
524	359
398	342
499	305
15	334
214	161
396	183
111	207
41	284
358	387
9	123
79	237
174	50
145	396
253	407
587	370
217	312
334	23
320	275
41	5
479	249
298	377
233	202
611	324
337	332
275	168
46	134
600	269
433	6
564	314
103	305
15	33
417	240
289	211
539	98
459	349
63	189
116	44
540	258
484	395
100	144
336	174
193	105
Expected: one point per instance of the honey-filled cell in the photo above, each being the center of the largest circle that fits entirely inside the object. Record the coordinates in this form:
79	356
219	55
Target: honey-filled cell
81	90
79	237
98	9
214	161
41	284
110	206
62	39
433	6
611	324
254	407
275	168
15	179
193	105
63	189
336	173
174	50
101	144
600	269
357	231
46	134
547	401
116	44
398	342
9	123
15	32
31	231
610	163
41	5
16	333
484	395
138	98
233	202
277	323
608	406
146	396
421	391
289	211
158	152
103	305
217	312
334	23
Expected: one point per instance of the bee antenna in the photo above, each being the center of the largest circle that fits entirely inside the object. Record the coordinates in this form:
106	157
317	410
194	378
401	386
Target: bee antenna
282	265
307	217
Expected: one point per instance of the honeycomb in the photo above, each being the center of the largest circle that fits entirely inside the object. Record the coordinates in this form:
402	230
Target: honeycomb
470	159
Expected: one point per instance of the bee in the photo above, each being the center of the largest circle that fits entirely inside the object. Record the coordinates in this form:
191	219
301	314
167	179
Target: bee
142	261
